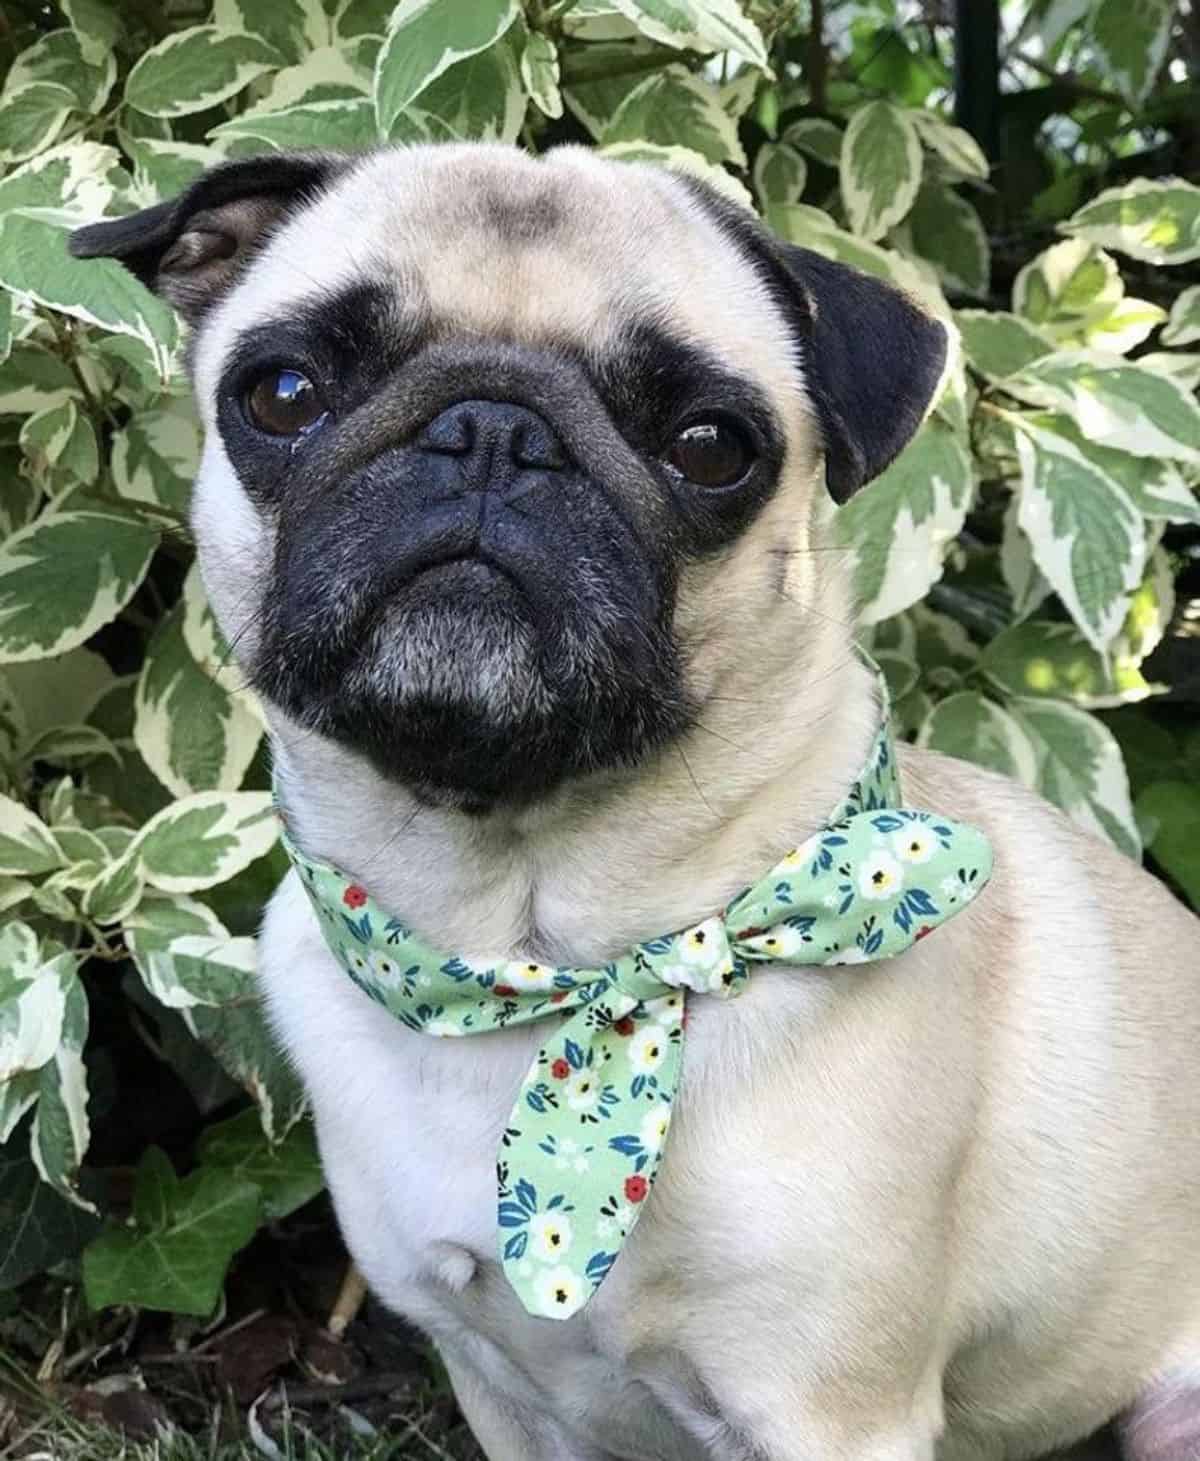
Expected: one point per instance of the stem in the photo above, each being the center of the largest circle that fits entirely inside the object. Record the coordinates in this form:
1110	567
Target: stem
1069	81
817	58
636	66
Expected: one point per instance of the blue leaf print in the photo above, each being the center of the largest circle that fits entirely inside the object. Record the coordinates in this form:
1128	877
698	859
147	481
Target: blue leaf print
887	823
919	901
801	922
511	1215
395	930
657	945
549	1146
628	1146
516	1245
872	942
457	970
359	927
598	1265
535	1101
557	1201
783	892
638	1086
527	1195
574	1055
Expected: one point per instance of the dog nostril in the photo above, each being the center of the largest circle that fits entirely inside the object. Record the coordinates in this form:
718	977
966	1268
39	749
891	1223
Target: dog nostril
452	434
533	445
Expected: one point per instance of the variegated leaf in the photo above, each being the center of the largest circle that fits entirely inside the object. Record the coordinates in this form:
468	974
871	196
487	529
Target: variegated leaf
1068	280
1156	220
697	25
479	98
970	726
1086	535
204	839
58	58
347	124
880	168
1131	38
779	174
1026	582
155	457
197	68
1080	769
425	39
33	1005
956	148
673	108
293	28
1046	658
1130	322
945	229
31	117
540	74
61	1132
65	575
27	845
682	159
818	137
1183	327
998	344
899	530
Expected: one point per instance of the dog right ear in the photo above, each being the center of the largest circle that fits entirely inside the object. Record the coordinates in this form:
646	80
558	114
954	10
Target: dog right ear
191	248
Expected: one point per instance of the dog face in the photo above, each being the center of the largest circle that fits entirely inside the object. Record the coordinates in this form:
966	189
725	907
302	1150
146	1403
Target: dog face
499	450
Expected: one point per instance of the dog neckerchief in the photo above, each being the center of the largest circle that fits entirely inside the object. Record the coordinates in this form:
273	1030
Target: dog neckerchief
579	1155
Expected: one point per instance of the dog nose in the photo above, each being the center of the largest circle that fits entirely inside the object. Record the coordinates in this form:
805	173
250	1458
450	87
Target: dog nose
495	435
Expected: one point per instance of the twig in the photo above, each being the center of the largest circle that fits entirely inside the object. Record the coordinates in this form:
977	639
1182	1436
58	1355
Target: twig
1069	80
349	1301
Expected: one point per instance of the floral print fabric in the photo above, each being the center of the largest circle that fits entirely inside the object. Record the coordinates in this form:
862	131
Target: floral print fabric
579	1155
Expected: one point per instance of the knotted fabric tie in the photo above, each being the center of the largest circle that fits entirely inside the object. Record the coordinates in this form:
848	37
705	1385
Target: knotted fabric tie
579	1155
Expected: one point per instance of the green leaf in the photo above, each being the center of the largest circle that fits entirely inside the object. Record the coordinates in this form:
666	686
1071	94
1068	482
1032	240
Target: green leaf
899	530
998	344
819	138
1117	330
293	28
779	173
238	1035
956	148
68	745
176	1256
191	732
673	108
1115	403
33	261
1043	658
425	38
155	457
77	174
697	25
66	575
31	117
540	74
58	57
26	843
204	839
1080	769
162	169
115	893
40	1229
1131	38
33	1000
194	69
1169	811
976	729
288	1174
479	99
945	229
1157	221
1178	366
1183	327
880	168
32	378
310	124
1086	535
1069	280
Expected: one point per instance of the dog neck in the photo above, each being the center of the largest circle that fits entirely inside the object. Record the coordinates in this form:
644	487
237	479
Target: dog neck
620	856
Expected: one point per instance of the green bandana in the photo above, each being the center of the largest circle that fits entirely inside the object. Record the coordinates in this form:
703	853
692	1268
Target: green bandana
578	1158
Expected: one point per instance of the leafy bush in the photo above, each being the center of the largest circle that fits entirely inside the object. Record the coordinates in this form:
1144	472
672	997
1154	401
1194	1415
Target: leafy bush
1017	564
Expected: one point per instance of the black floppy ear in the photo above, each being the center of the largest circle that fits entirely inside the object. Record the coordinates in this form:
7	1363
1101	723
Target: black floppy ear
872	357
191	248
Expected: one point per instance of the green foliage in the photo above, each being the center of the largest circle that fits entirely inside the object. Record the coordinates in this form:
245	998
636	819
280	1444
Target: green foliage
1015	566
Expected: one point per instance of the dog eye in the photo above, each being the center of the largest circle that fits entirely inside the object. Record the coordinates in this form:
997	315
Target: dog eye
711	454
285	403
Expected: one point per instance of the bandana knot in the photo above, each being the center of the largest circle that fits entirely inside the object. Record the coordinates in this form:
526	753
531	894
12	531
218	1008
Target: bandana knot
585	1138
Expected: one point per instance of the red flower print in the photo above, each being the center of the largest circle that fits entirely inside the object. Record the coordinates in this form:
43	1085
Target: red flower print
354	896
560	1070
922	931
636	1189
505	991
558	996
623	1026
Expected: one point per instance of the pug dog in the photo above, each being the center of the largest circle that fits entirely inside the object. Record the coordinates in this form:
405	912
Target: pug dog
515	506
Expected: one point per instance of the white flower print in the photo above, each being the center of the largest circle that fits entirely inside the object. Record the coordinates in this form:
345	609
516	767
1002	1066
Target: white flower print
647	1048
385	968
666	1010
623	1217
852	955
681	976
528	978
581	1165
568	1147
443	1028
780	942
549	1236
831	900
605	1227
914	843
583	1091
948	886
654	1126
703	944
880	876
558	1291
357	963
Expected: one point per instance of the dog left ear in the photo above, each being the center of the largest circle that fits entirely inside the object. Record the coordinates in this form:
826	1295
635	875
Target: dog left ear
872	358
191	248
